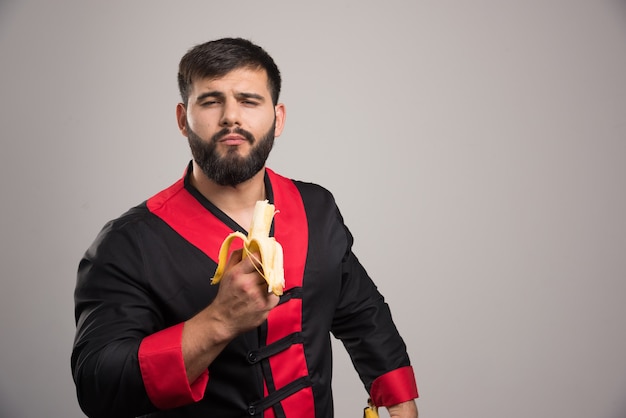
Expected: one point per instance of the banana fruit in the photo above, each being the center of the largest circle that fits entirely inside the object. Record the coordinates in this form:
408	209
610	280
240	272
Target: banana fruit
371	411
270	266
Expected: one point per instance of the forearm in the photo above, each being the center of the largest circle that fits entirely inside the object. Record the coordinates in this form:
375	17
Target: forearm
403	410
204	338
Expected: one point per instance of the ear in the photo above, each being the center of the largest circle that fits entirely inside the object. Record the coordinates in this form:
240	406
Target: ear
181	118
281	116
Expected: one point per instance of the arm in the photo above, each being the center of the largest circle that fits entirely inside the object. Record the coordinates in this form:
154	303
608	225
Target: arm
124	344
185	351
364	323
114	312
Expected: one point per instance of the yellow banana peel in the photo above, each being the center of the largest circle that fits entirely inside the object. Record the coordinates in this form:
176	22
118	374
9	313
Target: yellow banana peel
370	412
270	266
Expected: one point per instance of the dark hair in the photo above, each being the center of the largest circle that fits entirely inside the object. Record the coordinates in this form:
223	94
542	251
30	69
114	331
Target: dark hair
215	59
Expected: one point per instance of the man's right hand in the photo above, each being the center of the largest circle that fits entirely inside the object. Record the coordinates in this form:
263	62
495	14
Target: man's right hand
242	303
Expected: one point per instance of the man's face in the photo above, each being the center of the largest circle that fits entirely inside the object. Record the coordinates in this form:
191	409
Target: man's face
231	123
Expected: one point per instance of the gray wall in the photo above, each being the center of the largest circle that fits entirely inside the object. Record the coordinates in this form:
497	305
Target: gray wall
477	150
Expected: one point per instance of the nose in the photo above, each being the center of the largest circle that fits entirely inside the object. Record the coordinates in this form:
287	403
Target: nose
230	113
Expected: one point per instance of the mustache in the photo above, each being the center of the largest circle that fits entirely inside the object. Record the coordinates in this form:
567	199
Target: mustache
239	131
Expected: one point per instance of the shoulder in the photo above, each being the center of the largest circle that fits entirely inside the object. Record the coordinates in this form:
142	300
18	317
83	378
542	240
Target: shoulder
132	218
317	199
123	234
311	193
319	204
142	218
314	191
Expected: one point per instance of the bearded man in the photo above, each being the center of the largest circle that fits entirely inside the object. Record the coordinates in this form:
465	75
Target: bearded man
155	338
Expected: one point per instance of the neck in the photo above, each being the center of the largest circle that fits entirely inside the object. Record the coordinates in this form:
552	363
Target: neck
236	201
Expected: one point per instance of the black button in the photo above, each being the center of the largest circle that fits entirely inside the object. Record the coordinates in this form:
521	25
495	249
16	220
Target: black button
252	357
251	410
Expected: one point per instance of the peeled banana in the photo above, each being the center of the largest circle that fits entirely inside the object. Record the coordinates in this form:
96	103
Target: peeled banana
270	266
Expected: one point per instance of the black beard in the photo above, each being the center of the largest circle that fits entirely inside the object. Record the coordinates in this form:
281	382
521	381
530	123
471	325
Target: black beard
231	169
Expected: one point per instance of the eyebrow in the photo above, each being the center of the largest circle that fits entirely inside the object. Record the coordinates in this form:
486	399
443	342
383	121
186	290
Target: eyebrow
216	94
244	95
220	95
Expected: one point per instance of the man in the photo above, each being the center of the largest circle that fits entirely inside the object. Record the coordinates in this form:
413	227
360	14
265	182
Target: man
155	338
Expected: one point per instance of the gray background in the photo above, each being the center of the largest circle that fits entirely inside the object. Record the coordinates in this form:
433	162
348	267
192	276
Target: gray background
477	150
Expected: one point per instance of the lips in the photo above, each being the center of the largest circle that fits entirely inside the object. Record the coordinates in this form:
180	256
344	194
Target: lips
236	137
233	140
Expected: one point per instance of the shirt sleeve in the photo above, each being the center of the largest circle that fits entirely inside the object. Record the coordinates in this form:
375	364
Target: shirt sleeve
163	370
394	387
364	324
126	360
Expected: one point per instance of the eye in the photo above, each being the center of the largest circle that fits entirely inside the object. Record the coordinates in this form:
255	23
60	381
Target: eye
208	103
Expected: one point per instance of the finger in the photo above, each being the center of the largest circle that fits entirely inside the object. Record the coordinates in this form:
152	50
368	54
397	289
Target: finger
272	300
242	264
235	257
262	283
254	262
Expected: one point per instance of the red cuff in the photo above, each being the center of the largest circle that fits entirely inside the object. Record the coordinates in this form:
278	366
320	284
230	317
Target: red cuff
163	370
394	387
